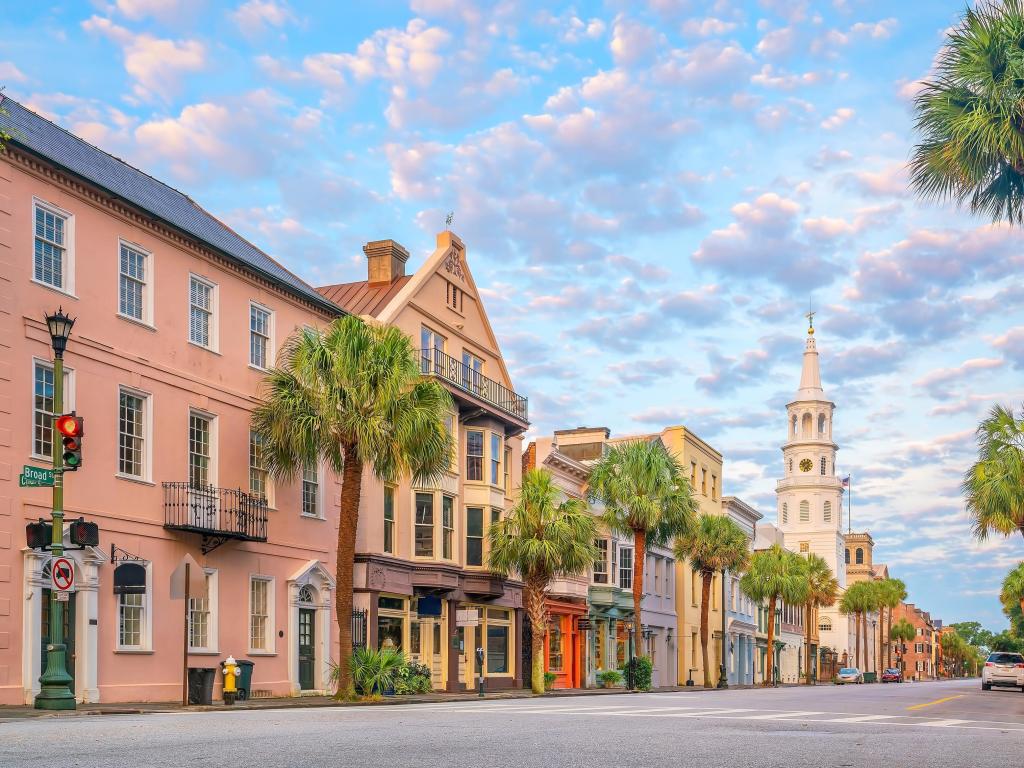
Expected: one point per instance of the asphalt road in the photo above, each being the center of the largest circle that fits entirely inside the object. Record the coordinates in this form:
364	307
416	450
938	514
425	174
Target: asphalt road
945	724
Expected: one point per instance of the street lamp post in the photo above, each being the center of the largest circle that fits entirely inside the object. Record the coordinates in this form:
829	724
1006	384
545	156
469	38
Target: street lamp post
55	692
723	679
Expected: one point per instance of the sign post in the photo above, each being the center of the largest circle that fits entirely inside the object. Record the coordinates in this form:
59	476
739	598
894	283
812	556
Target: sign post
187	581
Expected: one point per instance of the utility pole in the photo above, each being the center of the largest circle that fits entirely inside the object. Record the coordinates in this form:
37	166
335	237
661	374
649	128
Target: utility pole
55	692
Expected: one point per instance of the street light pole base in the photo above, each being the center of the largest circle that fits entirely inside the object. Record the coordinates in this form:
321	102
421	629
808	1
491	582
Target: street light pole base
723	679
57	698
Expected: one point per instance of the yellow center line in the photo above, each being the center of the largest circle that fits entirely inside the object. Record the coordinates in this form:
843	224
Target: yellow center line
937	701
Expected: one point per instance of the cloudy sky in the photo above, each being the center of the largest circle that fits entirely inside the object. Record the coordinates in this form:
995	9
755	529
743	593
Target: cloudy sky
650	194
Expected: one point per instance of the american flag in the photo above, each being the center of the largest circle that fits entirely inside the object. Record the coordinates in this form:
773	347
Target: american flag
846	482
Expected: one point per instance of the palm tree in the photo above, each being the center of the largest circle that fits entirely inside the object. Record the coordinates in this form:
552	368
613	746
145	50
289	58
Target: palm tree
891	593
994	485
544	534
822	591
352	396
775	574
968	116
858	601
645	496
1012	593
902	632
714	545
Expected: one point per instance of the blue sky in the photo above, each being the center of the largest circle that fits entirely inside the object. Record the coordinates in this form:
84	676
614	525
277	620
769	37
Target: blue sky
650	194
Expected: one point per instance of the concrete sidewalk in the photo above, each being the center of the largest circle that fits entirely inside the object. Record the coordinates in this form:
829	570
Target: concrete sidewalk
138	708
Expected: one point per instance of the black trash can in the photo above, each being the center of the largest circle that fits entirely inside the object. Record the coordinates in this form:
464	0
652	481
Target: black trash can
200	685
245	677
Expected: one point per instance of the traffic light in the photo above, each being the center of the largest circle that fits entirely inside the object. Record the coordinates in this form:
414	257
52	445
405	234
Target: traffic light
84	534
39	535
71	428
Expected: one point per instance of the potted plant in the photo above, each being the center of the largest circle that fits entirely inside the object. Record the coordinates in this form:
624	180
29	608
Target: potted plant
609	678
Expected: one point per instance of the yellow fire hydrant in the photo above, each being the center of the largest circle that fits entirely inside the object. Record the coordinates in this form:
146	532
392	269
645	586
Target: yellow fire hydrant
231	671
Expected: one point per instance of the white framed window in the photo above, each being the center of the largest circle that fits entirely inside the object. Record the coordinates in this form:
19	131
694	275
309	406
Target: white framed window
261	614
447	526
134	283
133	428
600	574
201	468
202	312
259	475
626	567
423	546
311	491
496	457
53	247
389	519
135	618
42	406
202	617
260	329
474	455
431	351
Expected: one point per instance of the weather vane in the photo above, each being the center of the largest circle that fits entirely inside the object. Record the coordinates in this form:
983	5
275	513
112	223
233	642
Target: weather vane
448	220
810	315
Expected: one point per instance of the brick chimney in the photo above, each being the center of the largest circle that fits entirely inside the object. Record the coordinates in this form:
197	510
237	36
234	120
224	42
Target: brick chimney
385	261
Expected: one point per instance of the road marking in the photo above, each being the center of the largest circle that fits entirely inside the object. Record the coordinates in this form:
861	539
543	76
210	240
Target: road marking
937	701
862	718
943	723
780	715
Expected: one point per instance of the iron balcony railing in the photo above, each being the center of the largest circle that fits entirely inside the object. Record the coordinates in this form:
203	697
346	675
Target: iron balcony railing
465	377
220	512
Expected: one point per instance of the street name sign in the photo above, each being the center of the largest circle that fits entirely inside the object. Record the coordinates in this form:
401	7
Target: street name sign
35	477
62	574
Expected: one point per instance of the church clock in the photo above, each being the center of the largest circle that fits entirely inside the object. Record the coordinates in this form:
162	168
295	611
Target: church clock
806	465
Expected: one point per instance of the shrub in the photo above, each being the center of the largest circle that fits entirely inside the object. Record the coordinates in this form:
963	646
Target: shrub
609	677
642	669
413	678
549	680
375	672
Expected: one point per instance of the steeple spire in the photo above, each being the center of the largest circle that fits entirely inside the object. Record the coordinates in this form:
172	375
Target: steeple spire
810	376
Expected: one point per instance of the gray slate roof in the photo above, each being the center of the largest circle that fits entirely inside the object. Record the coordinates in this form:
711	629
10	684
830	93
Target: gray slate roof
47	140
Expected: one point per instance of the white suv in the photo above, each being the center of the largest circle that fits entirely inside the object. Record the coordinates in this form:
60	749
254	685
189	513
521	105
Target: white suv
1002	669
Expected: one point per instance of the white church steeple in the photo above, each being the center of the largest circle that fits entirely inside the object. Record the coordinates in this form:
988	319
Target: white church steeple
810	495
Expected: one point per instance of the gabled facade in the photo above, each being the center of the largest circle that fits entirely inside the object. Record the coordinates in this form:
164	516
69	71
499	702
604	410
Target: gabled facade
421	550
177	319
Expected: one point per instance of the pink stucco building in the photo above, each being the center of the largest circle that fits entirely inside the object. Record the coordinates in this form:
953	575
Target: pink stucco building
177	316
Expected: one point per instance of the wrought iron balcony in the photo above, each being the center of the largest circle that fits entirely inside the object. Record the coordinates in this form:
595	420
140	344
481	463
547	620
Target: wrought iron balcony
465	379
217	514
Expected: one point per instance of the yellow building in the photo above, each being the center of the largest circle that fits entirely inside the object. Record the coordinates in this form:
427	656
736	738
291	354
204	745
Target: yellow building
703	465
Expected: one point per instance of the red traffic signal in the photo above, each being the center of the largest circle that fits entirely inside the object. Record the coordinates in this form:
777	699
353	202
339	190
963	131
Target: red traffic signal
71	428
39	535
83	533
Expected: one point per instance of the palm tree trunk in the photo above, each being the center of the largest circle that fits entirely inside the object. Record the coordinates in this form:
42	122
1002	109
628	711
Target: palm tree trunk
533	596
705	598
881	640
807	650
856	636
348	521
769	677
888	636
639	556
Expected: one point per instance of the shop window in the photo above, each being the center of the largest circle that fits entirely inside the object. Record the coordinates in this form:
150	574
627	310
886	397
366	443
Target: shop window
392	614
499	632
555	640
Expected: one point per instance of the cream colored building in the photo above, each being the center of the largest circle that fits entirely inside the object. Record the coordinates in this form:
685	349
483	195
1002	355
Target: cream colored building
421	550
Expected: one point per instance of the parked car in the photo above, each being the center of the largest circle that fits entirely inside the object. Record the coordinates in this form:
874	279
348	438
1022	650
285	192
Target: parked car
849	675
892	675
1002	669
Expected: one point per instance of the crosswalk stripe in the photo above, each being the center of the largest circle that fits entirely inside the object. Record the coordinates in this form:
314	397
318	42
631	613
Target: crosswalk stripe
862	718
780	715
942	723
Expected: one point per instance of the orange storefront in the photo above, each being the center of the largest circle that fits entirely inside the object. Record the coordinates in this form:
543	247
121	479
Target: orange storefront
564	643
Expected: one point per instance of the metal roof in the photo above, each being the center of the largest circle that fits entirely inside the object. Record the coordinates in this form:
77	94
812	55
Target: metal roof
41	137
364	298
